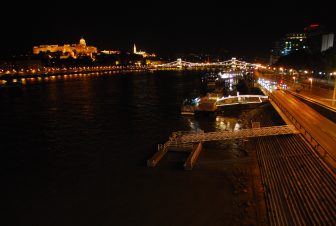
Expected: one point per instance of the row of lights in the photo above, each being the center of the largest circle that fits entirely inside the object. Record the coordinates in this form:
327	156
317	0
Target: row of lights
53	77
48	69
304	71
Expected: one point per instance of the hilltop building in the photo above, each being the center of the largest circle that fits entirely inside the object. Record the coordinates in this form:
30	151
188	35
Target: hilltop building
142	53
67	50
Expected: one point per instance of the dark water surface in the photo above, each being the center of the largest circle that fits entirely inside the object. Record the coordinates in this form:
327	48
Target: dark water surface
74	151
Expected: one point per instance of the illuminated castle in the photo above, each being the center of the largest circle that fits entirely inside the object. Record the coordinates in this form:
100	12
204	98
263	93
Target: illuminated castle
143	53
73	50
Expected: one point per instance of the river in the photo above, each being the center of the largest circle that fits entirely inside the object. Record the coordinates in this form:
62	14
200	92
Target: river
74	152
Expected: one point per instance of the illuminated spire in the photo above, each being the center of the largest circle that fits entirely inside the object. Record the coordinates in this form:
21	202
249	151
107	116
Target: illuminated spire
82	42
134	49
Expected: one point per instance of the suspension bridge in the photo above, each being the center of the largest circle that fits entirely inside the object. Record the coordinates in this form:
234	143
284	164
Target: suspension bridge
232	63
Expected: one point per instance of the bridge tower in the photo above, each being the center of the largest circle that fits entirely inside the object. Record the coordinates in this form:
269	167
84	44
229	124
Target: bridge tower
134	49
179	62
234	63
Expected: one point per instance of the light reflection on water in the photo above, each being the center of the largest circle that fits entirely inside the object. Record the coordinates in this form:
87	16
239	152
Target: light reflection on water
211	124
227	123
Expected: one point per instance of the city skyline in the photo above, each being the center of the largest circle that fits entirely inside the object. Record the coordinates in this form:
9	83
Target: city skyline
160	113
165	30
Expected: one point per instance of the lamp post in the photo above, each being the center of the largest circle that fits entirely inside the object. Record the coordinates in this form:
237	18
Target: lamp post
282	73
311	84
334	94
294	82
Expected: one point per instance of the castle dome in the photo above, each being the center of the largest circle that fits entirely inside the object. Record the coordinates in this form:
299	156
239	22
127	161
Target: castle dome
82	42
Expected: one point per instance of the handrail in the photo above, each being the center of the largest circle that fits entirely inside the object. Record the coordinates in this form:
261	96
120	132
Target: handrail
313	142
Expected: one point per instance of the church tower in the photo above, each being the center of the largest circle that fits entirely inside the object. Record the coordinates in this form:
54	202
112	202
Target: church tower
134	49
82	42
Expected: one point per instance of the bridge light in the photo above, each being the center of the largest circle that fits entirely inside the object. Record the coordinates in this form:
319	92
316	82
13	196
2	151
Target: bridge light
197	100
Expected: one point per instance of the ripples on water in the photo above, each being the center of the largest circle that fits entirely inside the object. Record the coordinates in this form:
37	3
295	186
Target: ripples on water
74	145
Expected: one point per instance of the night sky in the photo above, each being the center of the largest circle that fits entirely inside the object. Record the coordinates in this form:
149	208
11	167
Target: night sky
165	28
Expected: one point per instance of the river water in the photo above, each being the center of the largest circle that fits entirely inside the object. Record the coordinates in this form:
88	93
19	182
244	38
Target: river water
74	151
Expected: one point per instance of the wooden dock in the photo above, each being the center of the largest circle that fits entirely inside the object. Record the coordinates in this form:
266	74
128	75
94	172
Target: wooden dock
189	164
162	150
186	140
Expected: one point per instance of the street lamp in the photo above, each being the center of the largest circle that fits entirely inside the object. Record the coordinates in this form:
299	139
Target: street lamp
282	73
294	82
334	94
311	84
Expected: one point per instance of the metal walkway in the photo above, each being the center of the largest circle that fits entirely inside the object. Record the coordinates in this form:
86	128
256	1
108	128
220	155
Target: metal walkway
196	137
184	141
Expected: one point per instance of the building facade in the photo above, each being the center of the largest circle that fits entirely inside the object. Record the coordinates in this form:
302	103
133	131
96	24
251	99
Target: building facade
293	42
314	39
67	50
327	41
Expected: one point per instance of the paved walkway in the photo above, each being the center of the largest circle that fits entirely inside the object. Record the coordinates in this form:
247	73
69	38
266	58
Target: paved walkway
318	94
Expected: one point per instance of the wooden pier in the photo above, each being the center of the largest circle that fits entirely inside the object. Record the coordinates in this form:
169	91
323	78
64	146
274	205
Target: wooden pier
189	164
185	141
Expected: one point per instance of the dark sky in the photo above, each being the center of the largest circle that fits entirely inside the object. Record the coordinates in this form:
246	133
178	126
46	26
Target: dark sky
166	28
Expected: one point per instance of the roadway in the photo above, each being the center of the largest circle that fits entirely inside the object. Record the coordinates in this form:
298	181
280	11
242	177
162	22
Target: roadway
320	90
322	129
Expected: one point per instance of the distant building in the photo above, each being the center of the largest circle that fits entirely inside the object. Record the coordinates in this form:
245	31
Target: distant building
314	39
327	41
111	52
288	44
67	50
319	39
143	53
275	53
293	42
